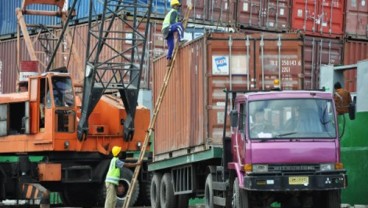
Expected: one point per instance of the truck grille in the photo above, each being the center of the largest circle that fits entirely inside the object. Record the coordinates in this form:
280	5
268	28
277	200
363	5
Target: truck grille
293	168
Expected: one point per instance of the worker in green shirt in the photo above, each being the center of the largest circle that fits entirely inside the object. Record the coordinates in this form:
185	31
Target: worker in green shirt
113	176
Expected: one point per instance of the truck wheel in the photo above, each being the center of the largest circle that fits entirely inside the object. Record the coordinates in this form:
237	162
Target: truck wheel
208	192
240	196
167	197
333	199
126	176
81	195
155	190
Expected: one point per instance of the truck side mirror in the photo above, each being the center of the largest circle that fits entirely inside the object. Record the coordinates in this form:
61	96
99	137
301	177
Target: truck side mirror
352	111
234	118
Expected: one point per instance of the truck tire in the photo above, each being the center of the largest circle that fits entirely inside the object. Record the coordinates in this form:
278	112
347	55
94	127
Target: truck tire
155	190
208	192
333	199
126	176
167	197
240	196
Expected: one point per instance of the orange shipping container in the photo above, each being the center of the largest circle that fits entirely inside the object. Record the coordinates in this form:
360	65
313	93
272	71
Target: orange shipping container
192	112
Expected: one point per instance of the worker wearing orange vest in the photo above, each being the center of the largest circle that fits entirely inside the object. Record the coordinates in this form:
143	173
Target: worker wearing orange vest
113	176
342	99
171	25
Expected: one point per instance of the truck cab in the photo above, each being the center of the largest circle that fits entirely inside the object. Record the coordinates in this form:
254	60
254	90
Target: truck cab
285	149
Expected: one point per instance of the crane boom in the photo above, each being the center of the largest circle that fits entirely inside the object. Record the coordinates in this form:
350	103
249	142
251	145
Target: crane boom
120	70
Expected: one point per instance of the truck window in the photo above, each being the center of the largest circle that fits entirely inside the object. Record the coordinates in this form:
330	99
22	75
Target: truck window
242	116
290	118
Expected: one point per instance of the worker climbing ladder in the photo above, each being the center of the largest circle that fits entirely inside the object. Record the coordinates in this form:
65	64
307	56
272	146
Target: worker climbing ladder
156	110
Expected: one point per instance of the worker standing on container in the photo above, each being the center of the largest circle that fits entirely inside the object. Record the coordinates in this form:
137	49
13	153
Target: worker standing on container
170	26
113	176
342	99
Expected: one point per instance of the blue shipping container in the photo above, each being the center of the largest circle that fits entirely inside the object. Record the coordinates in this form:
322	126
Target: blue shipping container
8	18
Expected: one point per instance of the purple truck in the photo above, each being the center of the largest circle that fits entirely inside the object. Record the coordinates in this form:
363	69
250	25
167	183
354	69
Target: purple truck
285	150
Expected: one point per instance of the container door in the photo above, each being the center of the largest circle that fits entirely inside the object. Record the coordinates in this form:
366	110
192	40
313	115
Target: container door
331	17
356	23
277	14
249	13
305	15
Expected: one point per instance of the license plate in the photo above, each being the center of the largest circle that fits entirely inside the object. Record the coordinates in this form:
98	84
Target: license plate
298	180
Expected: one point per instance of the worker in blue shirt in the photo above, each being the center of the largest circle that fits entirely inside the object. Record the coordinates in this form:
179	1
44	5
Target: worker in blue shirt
171	25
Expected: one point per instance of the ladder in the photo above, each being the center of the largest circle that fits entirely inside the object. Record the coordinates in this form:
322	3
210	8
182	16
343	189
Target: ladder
155	113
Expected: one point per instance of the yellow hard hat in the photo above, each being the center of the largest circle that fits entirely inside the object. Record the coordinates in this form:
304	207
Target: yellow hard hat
175	2
116	150
276	82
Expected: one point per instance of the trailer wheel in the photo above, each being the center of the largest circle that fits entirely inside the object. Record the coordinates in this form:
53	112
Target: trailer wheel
167	197
333	199
208	192
240	196
155	190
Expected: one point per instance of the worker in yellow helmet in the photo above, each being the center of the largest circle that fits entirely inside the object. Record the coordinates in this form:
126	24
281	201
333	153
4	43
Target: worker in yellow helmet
276	85
171	25
113	176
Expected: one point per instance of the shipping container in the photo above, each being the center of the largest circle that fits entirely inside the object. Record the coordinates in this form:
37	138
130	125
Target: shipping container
354	51
199	10
8	17
261	14
221	12
356	19
318	18
319	51
203	69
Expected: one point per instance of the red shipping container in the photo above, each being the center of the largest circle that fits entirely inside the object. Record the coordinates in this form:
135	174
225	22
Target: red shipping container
319	18
354	51
261	14
319	51
192	112
356	19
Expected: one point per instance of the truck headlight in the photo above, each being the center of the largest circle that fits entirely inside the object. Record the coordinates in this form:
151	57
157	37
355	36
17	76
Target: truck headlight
260	168
327	167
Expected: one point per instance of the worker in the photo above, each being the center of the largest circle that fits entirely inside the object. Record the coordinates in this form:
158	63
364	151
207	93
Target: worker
342	99
276	85
260	124
113	176
172	25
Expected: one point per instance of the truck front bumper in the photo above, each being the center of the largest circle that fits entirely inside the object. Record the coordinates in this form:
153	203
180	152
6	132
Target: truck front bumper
296	182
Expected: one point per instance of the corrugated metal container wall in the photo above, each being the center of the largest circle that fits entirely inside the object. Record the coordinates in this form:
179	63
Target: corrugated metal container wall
321	18
8	64
199	10
220	12
8	18
319	51
356	19
192	111
354	51
262	14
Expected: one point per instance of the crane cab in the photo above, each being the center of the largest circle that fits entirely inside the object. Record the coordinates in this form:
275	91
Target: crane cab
45	112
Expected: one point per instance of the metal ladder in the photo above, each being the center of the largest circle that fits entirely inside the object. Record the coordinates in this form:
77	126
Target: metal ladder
155	113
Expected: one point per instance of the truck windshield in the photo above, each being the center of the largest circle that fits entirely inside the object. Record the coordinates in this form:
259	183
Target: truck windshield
291	118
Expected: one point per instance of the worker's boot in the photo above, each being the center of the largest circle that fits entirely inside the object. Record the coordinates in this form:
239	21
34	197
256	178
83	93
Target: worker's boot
169	61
